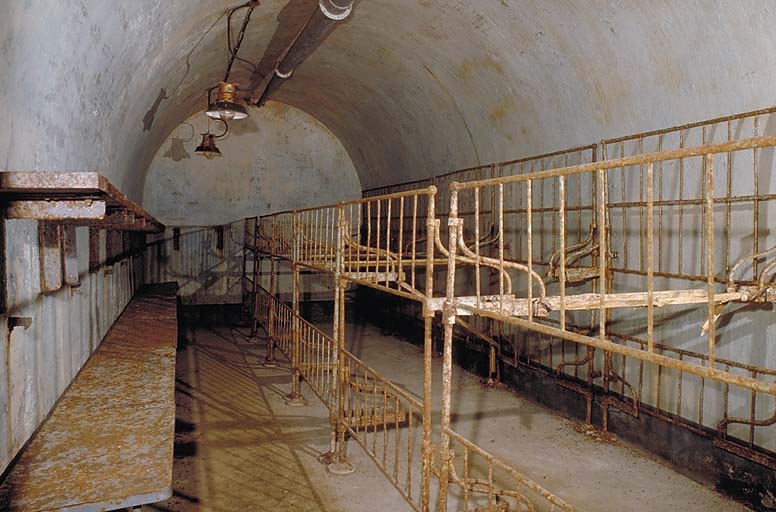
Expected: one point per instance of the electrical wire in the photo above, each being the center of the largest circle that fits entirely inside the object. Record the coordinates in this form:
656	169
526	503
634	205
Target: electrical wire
233	50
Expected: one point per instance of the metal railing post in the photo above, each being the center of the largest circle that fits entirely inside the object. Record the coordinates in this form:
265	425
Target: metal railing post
448	319
340	464
255	297
269	359
428	350
295	398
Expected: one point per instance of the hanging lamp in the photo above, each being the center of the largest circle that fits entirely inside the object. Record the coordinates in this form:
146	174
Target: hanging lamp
207	147
226	107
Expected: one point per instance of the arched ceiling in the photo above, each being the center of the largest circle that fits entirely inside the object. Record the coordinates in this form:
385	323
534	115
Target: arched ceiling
412	88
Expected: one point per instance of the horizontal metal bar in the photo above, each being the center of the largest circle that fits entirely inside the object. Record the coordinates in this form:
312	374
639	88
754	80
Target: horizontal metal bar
701	371
697	124
587	301
430	190
645	158
379	276
87	209
40	187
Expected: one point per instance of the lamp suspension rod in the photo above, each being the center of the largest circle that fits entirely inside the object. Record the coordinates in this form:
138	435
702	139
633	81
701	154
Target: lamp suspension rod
233	51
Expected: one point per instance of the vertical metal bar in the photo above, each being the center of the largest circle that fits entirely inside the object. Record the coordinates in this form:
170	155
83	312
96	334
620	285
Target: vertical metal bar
387	243
501	246
490	483
357	266
680	261
243	284
466	478
339	290
410	451
396	443
318	234
660	208
602	251
477	285
385	426
400	246
624	232
427	453
700	401
650	260
679	386
429	238
562	210
296	393
347	238
752	412
756	201
709	193
368	234
529	225
728	204
641	209
257	259
447	358
378	235
540	217
373	419
725	398
337	374
269	358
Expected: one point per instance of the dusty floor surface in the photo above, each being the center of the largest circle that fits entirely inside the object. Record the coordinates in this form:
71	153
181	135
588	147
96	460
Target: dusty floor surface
239	447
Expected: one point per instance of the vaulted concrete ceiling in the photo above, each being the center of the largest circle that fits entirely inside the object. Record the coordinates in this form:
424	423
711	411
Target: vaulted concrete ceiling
411	87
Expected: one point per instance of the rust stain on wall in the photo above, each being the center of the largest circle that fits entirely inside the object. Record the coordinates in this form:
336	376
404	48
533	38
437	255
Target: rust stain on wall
501	110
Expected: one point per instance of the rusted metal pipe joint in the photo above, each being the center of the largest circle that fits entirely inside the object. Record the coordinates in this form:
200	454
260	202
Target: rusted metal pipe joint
336	10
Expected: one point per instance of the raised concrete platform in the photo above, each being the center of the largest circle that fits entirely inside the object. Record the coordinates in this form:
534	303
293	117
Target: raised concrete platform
109	441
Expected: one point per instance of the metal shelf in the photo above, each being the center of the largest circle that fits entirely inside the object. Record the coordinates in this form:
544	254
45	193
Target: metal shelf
84	198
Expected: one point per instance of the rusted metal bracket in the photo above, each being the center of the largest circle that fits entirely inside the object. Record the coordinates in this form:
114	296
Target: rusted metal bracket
85	198
87	209
25	322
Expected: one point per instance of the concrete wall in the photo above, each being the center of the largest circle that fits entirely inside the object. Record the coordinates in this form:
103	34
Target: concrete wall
208	272
410	88
64	327
279	158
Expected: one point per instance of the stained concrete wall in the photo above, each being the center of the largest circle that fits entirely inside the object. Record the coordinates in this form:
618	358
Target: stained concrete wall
208	272
279	158
410	88
207	263
39	361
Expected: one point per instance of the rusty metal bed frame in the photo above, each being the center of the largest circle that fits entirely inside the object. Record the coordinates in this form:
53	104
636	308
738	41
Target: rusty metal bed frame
544	246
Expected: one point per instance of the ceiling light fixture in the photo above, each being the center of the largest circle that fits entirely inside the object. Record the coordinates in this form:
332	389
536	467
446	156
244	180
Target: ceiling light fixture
226	106
207	147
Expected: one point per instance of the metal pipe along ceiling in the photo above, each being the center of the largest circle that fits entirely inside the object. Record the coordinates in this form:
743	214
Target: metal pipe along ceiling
312	34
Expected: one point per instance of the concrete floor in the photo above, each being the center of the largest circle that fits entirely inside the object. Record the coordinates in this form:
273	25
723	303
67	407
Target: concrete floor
239	447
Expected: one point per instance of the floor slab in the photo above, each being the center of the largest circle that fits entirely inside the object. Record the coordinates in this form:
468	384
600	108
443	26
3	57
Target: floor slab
240	447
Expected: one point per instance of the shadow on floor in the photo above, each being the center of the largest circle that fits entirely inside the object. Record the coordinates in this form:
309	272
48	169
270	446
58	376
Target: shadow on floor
233	451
